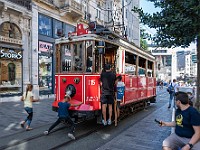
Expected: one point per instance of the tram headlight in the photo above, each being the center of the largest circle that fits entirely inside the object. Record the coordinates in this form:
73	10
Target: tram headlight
70	90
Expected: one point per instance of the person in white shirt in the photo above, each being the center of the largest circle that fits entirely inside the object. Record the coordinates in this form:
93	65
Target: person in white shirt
175	90
28	100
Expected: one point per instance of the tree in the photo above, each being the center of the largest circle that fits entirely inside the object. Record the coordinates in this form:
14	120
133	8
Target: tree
143	37
177	24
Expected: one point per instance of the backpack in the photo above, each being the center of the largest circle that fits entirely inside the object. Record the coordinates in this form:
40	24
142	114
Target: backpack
170	89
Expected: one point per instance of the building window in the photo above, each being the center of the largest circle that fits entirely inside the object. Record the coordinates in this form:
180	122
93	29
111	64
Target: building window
45	25
68	28
58	29
10	72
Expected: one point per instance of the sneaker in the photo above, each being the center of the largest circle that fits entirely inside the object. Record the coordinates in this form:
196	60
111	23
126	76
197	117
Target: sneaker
104	122
71	136
46	132
109	122
22	124
29	129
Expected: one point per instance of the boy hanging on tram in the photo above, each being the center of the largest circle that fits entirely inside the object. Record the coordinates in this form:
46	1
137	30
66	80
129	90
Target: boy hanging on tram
120	87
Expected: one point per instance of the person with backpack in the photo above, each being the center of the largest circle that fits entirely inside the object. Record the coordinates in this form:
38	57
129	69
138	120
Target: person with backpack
173	88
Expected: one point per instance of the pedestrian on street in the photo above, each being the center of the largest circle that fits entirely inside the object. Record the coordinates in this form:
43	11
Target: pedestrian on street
63	116
173	88
120	86
187	126
28	100
107	81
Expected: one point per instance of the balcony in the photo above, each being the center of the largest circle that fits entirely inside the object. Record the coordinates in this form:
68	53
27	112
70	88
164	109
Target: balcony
23	3
47	2
72	8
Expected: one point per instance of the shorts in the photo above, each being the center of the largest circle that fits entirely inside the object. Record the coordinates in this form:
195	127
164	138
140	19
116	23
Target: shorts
107	99
174	142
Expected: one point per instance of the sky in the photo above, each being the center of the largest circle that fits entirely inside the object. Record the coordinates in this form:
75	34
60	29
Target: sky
148	7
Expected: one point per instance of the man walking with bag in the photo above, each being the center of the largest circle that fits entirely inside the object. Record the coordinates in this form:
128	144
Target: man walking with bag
173	88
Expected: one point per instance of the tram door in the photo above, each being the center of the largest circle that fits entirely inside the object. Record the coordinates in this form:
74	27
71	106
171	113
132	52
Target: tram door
110	56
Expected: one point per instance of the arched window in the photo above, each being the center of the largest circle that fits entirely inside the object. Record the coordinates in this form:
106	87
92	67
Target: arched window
11	73
11	30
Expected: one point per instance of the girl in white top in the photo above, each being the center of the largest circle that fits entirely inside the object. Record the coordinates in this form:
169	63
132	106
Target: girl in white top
28	106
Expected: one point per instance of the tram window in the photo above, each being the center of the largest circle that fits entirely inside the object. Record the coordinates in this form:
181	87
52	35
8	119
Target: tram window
142	62
89	58
130	58
66	58
78	61
150	65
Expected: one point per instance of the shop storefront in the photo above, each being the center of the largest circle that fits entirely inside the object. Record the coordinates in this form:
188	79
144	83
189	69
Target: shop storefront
45	67
49	29
10	71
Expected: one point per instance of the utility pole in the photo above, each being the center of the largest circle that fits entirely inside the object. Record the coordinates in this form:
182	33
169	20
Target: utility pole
197	101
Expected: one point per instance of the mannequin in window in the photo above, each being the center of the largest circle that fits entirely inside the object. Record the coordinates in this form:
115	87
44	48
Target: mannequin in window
11	71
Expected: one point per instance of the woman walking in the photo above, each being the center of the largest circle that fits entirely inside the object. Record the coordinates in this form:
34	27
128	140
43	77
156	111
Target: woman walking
28	100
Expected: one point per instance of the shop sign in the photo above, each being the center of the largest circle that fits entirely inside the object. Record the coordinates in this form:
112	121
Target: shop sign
45	47
10	40
10	54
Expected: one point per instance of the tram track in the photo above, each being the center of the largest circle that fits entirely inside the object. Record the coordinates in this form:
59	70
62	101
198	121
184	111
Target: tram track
81	134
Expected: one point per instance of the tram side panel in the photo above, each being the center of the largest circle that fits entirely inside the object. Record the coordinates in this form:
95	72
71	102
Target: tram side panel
130	89
92	91
142	88
150	87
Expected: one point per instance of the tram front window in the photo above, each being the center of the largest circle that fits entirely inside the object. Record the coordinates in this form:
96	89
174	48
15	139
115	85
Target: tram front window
66	58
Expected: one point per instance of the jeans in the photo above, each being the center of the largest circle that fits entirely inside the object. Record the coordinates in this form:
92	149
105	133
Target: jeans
171	97
67	119
30	115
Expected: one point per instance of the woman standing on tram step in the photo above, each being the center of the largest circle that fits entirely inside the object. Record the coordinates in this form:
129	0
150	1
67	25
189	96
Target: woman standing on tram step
28	100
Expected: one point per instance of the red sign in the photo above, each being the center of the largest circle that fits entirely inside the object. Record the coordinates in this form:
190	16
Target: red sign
80	30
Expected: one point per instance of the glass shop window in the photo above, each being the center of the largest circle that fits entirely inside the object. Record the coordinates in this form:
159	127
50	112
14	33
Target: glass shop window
45	25
58	29
68	28
45	72
10	72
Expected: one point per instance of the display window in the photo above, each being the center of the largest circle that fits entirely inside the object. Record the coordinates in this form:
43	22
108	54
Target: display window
10	71
45	73
45	25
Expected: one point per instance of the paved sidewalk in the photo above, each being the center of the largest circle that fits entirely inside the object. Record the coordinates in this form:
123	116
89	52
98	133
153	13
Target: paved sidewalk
11	113
144	135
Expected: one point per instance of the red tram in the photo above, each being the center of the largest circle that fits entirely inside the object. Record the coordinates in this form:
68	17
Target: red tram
79	62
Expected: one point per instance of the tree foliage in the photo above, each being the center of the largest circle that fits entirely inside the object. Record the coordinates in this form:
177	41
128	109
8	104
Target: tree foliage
177	24
143	37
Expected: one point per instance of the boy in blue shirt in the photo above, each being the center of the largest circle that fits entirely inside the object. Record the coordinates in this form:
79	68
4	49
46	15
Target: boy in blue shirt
120	87
63	114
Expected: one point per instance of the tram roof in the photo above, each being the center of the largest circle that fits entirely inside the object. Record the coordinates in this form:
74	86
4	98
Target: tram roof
115	41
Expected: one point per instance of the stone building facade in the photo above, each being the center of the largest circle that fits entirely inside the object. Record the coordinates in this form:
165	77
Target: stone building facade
15	46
